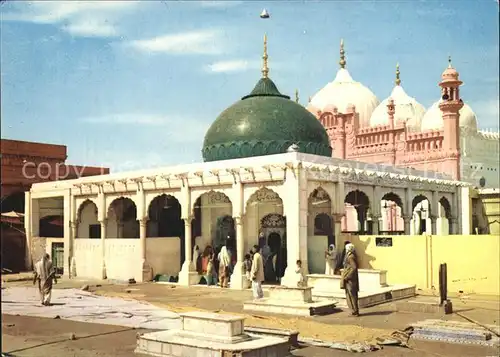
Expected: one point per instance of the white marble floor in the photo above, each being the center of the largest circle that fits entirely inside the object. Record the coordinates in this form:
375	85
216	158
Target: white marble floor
77	305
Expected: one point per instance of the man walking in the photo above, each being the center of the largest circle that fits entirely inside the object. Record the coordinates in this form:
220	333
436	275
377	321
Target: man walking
257	273
44	273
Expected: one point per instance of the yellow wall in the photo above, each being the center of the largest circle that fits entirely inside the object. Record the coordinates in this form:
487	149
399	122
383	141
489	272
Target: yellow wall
473	261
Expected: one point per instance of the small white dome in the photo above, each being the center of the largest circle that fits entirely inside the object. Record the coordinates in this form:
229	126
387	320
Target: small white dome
344	91
406	108
433	118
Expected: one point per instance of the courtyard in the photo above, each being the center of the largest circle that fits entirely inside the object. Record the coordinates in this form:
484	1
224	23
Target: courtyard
28	331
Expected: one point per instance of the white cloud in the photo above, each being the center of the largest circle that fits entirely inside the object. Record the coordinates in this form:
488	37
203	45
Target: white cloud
176	124
231	66
196	42
129	118
79	18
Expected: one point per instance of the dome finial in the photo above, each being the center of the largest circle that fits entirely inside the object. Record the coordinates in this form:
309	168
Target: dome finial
265	68
449	62
296	95
342	61
398	80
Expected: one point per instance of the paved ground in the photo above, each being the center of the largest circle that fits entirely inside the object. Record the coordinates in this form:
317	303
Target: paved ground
34	337
25	332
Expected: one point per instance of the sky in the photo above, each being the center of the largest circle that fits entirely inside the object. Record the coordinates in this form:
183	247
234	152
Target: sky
133	85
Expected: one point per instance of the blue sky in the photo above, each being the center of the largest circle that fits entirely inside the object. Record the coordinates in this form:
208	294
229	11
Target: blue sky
132	85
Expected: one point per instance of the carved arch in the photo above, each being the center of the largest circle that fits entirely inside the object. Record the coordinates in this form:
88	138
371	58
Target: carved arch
273	220
319	194
215	198
443	201
262	194
82	206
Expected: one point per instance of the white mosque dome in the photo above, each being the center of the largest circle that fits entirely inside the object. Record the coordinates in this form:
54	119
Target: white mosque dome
406	109
433	118
344	92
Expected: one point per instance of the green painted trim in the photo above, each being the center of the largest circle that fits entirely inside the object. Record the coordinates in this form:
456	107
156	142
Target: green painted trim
242	149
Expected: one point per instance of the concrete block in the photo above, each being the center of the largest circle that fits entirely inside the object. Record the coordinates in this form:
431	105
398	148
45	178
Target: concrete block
302	294
428	307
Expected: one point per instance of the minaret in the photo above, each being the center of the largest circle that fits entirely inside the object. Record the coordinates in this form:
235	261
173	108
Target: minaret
342	61
450	107
398	80
265	68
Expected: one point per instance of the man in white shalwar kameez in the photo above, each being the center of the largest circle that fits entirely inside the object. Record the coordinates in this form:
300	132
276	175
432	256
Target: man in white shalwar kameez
257	273
44	273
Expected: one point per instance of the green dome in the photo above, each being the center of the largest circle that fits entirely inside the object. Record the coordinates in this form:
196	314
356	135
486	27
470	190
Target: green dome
265	122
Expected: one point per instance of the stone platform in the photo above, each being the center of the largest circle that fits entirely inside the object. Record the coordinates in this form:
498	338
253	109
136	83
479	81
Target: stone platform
290	301
375	292
430	306
211	335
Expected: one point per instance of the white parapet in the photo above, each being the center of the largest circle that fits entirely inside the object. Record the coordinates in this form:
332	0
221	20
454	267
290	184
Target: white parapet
210	334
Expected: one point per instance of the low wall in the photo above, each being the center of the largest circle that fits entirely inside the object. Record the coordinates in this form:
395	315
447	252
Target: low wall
163	255
123	260
472	260
87	258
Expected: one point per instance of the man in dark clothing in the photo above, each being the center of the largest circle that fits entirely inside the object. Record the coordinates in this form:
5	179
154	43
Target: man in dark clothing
340	262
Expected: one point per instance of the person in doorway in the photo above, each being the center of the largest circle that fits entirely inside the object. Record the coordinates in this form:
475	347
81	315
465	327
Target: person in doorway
257	273
224	266
44	274
210	276
331	260
300	274
196	255
247	266
350	279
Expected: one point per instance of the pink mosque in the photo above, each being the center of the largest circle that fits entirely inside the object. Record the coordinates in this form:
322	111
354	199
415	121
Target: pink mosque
399	131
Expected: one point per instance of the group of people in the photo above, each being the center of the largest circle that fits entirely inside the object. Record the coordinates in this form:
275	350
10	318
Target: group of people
345	263
218	267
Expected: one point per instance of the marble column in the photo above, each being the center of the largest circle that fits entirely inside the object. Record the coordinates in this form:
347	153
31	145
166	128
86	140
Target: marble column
238	278
188	276
295	209
146	273
453	225
375	224
142	237
407	224
337	226
72	264
433	225
103	248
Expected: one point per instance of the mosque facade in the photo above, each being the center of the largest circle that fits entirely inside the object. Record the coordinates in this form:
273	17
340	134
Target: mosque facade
400	131
268	178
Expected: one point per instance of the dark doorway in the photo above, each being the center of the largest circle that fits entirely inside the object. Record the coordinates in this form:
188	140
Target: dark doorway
275	265
58	257
274	242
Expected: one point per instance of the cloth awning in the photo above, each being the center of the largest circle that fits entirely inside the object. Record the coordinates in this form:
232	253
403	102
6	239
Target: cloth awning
57	221
12	214
12	217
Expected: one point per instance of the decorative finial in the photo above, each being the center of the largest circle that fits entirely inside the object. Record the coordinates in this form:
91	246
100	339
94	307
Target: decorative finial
342	61
296	95
398	80
265	68
449	62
